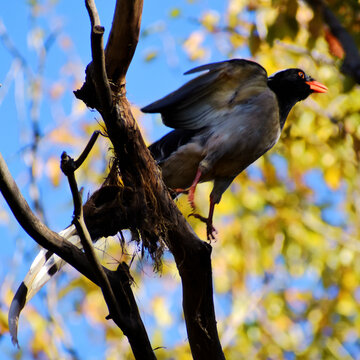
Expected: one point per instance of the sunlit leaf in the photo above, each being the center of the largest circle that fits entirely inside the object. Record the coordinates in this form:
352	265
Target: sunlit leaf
150	55
210	20
53	170
175	12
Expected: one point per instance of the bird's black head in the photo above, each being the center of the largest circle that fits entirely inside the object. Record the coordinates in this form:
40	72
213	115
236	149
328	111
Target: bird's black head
291	86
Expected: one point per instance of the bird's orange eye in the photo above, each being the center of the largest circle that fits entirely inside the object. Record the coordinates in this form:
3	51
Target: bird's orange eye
301	74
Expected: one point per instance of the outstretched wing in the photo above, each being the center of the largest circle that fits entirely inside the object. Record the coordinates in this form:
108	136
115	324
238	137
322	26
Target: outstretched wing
199	102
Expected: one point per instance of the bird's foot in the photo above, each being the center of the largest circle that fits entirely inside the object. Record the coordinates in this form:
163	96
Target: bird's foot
210	230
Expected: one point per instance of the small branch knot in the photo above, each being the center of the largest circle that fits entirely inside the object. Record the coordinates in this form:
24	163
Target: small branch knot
67	164
98	29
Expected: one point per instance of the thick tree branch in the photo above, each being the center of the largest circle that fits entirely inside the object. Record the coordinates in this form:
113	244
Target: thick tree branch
159	220
123	39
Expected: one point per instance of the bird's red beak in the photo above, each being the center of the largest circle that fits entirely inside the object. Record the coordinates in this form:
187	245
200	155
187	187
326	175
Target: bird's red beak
317	87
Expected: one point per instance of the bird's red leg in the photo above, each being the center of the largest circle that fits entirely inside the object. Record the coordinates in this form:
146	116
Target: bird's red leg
192	189
210	230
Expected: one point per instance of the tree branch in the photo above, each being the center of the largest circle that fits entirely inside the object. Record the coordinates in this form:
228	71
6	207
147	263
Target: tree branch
36	229
68	168
98	69
123	39
132	325
134	328
158	220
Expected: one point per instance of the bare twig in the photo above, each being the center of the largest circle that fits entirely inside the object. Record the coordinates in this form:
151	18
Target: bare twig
68	166
98	73
78	162
93	13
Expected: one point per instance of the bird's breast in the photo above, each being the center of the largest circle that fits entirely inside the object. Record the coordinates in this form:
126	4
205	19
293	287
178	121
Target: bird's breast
238	135
243	135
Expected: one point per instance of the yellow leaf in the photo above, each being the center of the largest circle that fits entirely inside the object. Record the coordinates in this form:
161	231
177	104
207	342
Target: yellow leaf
252	200
53	170
150	55
237	40
175	12
161	311
94	307
332	177
63	136
346	256
193	47
3	322
210	20
234	9
78	107
346	305
350	281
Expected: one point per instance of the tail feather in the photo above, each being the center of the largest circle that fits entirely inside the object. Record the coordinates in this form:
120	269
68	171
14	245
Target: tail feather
47	264
44	266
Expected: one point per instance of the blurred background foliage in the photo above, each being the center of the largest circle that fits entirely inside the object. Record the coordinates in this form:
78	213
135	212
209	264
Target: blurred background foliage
286	278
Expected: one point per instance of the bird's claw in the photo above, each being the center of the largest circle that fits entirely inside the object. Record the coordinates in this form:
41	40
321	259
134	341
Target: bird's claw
191	196
191	200
210	230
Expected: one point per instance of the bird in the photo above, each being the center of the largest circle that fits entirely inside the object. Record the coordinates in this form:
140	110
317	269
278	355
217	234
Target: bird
224	120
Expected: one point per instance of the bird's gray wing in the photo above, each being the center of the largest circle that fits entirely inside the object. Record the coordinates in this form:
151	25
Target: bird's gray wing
200	101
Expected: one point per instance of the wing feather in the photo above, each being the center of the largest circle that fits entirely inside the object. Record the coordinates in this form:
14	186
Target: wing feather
197	103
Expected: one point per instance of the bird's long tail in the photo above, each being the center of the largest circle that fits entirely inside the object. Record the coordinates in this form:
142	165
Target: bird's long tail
44	267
